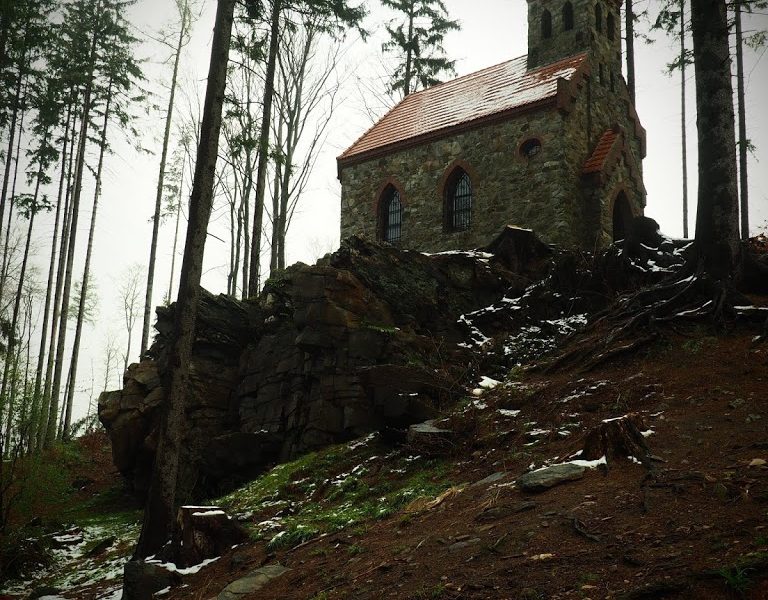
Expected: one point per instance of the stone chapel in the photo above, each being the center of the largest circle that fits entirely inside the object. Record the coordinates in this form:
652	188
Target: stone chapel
549	141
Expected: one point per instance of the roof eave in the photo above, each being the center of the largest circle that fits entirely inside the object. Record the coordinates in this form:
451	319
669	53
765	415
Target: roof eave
355	159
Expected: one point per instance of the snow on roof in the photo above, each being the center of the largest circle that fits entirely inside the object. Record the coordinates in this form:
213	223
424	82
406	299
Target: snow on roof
498	89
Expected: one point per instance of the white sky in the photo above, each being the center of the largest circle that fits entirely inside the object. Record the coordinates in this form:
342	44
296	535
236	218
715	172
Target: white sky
492	31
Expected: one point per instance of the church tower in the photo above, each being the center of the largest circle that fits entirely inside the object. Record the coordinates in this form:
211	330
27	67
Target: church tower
558	29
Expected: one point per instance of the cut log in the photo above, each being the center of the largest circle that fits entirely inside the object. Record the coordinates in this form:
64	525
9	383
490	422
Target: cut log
204	532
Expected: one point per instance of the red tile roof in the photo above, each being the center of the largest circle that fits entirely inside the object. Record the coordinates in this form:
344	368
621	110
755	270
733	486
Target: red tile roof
596	162
506	87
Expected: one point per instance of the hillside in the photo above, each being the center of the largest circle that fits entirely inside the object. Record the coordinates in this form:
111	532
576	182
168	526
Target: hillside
676	509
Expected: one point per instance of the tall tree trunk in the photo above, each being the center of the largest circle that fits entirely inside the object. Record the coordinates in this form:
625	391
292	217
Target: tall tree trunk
78	187
409	53
717	221
629	19
254	282
175	236
9	402
160	512
12	131
683	118
6	258
245	205
276	203
159	194
743	141
45	414
70	396
35	412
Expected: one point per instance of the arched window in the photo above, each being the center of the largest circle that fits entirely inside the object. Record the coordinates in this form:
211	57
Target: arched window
599	18
567	16
611	26
390	215
546	25
458	200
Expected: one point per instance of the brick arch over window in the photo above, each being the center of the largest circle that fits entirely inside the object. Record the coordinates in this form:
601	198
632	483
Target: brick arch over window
456	188
389	208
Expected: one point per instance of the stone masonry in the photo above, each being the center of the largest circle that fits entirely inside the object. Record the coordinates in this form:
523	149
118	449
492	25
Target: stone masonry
568	111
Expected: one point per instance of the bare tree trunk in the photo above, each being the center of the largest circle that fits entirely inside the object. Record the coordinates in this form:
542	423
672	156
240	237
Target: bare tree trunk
684	116
12	132
70	396
743	141
717	220
175	235
254	282
629	15
159	195
6	258
9	402
78	187
36	399
45	414
409	53
276	203
160	511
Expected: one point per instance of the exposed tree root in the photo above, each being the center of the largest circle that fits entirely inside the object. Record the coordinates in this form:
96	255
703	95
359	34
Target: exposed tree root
635	319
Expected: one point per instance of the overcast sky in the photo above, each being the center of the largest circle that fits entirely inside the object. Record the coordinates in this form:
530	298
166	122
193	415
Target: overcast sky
492	31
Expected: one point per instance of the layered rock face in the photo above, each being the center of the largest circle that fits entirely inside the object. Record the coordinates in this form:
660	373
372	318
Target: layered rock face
365	340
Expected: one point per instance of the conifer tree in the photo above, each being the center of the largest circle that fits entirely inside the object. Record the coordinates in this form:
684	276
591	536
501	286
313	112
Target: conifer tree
417	40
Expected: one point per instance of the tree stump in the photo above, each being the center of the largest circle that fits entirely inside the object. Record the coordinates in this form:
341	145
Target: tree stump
204	532
617	438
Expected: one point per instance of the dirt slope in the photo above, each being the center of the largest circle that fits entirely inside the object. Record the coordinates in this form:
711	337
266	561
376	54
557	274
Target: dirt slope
693	526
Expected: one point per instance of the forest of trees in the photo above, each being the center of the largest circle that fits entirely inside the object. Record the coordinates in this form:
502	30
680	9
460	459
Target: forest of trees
74	87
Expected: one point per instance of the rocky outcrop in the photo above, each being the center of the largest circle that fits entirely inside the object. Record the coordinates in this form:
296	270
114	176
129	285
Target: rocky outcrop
365	340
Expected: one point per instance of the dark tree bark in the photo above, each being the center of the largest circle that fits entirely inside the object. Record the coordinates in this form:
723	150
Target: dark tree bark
630	27
76	192
162	501
36	410
717	227
261	169
684	116
743	142
160	182
70	393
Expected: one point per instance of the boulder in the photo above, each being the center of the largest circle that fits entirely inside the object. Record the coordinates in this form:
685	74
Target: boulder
251	583
543	479
142	579
326	353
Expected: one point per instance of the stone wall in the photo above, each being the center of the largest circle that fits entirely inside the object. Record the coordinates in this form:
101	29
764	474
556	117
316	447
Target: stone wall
506	187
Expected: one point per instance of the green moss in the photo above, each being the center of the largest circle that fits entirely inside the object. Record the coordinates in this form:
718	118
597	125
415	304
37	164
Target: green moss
332	489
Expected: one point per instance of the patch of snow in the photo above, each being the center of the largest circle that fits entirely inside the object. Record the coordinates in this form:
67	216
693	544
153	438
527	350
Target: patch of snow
209	513
479	405
647	433
169	566
614	419
488	383
508	413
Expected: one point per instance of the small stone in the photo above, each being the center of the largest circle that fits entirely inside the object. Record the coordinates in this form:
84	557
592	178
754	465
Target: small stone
757	462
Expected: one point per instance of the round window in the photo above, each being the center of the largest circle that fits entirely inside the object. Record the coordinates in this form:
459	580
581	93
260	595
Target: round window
530	148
